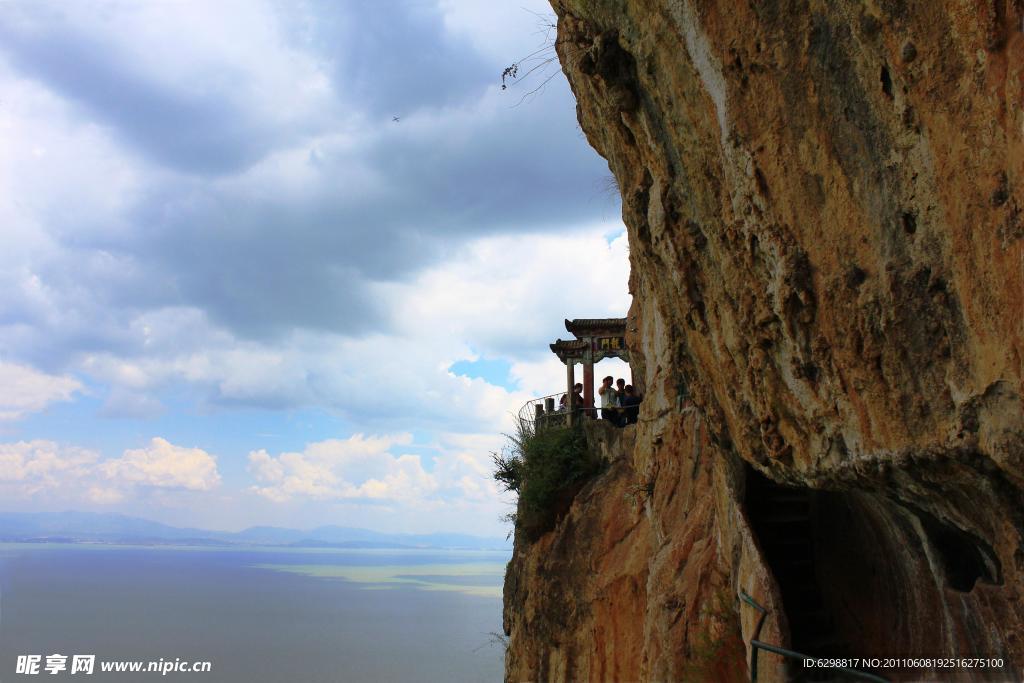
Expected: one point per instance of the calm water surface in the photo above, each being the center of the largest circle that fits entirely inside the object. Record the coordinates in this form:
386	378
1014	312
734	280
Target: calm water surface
257	614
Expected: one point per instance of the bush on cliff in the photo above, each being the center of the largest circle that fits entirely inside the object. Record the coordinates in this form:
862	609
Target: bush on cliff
546	468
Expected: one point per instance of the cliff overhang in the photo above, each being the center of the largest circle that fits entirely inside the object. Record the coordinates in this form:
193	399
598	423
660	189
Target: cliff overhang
823	202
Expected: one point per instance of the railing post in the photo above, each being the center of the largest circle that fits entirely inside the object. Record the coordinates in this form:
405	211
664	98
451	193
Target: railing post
570	380
757	633
756	644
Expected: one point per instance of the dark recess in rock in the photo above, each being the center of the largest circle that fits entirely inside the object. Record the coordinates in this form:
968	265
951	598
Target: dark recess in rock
966	559
886	81
855	277
909	222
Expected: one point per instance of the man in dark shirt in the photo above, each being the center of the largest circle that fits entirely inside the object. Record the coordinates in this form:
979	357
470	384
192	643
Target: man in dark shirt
630	404
577	398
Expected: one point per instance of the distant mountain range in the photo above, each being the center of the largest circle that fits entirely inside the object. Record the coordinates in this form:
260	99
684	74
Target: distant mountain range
92	527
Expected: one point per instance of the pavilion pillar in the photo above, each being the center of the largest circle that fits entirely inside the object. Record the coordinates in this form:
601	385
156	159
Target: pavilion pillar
570	401
588	387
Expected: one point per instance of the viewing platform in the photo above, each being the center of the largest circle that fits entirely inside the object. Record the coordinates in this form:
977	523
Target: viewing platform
594	340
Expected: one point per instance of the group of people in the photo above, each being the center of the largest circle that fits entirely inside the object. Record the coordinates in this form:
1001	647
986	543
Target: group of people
620	403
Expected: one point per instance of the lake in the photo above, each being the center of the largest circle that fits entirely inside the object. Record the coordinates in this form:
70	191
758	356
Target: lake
257	614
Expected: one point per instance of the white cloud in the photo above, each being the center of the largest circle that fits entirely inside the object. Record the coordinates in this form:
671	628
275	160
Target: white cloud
33	466
498	297
55	167
68	473
370	480
26	390
464	468
541	377
164	465
359	467
508	294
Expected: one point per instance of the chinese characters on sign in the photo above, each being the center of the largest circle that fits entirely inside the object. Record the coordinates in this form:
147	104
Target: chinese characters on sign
610	343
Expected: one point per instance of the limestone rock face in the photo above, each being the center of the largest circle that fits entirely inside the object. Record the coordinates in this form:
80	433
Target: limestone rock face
825	209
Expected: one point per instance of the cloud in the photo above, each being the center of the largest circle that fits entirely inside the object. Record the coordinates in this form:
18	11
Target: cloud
355	468
126	65
286	216
164	465
70	473
33	466
396	56
300	239
104	496
448	486
498	297
505	31
508	295
207	206
540	377
463	468
26	390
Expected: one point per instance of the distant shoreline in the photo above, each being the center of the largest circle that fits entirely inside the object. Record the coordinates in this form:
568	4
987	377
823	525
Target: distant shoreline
170	545
73	527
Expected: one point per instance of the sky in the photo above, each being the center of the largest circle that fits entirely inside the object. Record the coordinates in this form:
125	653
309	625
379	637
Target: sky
287	263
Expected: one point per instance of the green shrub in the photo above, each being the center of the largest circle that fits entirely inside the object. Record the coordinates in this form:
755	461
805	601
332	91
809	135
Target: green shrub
546	468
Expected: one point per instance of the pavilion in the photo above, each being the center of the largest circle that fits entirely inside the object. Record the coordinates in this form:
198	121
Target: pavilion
595	340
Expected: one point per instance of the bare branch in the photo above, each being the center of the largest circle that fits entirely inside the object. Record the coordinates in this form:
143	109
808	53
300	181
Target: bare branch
542	63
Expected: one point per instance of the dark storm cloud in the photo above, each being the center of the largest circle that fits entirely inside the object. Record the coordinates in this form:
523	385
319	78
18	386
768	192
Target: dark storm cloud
265	263
462	162
394	56
204	130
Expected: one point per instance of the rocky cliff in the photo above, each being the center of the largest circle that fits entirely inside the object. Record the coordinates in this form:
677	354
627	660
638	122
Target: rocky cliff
826	226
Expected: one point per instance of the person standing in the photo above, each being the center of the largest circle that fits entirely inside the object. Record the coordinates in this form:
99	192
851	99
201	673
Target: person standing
630	403
577	398
609	399
620	393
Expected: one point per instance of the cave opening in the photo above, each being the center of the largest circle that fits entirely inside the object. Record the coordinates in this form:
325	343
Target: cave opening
861	572
783	519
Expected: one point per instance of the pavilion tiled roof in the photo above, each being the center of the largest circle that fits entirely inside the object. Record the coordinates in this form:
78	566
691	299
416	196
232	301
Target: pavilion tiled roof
570	345
572	348
590	325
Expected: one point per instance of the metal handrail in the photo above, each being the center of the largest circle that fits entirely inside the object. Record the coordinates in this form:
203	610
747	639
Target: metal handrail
756	645
526	413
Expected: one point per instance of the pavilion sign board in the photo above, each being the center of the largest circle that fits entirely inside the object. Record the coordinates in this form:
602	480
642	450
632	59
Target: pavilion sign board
607	347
